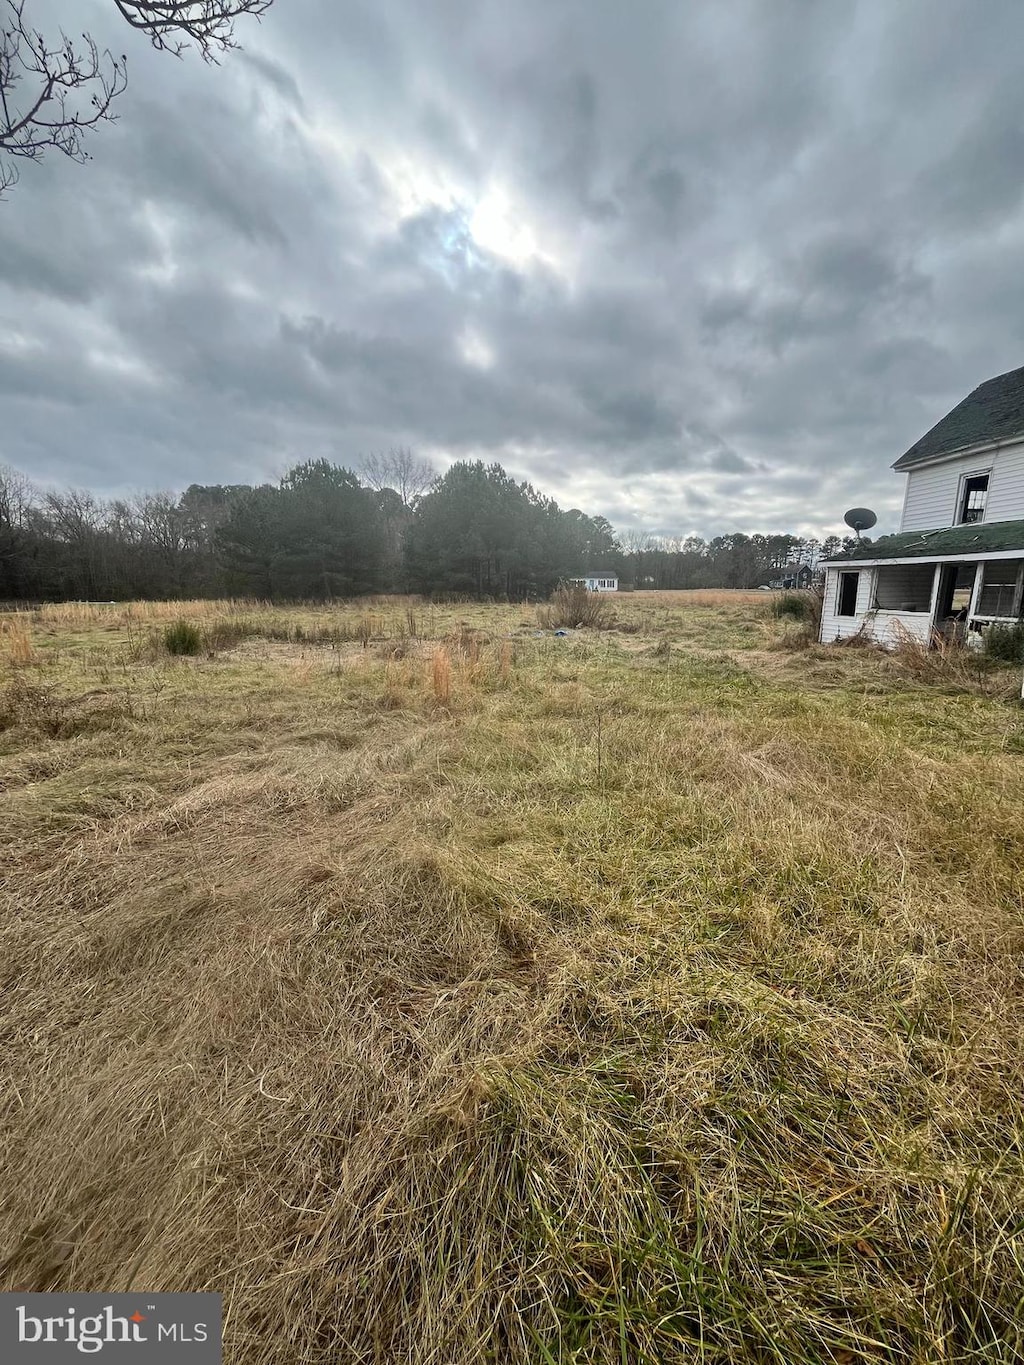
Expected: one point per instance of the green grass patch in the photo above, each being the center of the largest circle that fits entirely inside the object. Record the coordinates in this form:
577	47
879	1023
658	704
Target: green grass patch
182	637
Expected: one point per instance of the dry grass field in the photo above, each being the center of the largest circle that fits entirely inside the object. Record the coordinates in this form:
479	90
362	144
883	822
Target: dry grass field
441	991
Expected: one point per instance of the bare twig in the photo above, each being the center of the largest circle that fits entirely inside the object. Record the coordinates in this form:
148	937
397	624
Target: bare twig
208	23
71	90
51	93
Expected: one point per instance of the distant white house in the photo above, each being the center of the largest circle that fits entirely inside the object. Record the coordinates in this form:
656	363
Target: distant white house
597	582
957	562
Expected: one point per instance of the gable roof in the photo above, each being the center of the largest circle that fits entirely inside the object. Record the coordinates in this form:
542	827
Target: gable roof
993	412
974	539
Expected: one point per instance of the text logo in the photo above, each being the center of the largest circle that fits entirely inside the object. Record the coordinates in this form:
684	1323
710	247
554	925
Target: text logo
52	1328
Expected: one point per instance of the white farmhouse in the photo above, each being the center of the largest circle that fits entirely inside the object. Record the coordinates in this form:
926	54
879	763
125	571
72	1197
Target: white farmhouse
958	559
597	582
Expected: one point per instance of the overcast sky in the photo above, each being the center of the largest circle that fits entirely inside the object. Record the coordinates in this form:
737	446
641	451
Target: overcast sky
695	267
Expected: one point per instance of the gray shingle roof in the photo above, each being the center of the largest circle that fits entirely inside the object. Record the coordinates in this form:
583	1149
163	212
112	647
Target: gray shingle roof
993	412
976	539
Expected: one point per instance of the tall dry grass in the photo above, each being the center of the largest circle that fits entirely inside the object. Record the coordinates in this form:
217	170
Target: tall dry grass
729	598
426	1037
573	605
506	658
71	614
441	676
16	641
948	664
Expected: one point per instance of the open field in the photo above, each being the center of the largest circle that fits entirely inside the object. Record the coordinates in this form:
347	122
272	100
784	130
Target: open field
444	992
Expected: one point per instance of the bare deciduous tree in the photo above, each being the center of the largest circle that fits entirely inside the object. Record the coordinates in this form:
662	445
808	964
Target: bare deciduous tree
17	497
52	92
401	470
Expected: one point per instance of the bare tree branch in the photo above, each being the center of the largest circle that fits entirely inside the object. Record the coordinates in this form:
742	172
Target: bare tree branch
52	93
208	23
70	90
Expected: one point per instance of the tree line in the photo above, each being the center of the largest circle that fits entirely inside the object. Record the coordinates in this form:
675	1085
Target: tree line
728	561
325	531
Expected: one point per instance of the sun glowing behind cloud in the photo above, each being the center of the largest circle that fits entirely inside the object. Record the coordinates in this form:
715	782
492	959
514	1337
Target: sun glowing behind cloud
476	350
503	229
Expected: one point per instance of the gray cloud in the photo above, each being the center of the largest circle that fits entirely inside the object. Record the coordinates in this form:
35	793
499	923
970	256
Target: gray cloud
697	268
282	81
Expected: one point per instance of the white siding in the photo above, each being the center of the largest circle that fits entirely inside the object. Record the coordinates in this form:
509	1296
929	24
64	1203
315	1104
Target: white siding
931	494
891	628
930	499
833	626
887	627
597	584
1006	486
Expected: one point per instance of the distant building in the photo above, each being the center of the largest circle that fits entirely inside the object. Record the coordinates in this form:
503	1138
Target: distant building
597	582
793	576
957	562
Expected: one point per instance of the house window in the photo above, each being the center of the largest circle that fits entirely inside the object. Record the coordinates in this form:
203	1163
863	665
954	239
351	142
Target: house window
999	588
847	600
973	493
905	587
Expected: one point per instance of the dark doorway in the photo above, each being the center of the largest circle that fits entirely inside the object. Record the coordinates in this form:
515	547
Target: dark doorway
956	583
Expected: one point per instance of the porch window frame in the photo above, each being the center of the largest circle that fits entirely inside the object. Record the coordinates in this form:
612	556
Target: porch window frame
928	573
1015	604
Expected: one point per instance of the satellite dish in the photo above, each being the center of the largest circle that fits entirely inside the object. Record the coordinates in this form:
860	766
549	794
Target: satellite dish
860	519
